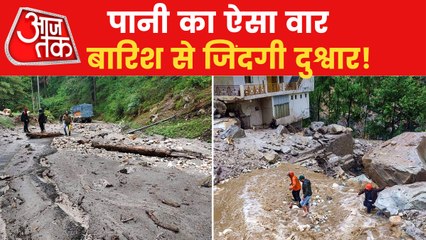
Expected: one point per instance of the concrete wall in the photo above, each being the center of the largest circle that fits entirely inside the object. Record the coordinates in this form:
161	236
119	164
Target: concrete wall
254	110
267	110
299	105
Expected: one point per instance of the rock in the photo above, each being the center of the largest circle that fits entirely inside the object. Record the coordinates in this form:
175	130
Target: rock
201	112
286	149
340	145
281	130
336	129
231	114
219	107
234	132
399	163
271	157
335	186
225	123
187	99
361	179
399	198
294	153
316	125
323	130
307	132
317	136
395	220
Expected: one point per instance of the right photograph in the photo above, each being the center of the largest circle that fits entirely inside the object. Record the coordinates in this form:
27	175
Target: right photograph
329	157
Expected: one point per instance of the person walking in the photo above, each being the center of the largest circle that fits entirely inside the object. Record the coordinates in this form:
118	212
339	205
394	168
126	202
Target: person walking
42	119
294	187
307	193
25	118
371	195
66	120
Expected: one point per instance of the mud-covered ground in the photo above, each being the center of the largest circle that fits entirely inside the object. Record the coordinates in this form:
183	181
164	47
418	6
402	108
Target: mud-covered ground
63	188
256	206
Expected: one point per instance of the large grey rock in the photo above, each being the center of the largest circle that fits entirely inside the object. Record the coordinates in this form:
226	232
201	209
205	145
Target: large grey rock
271	157
401	160
219	107
336	129
233	132
316	125
400	198
341	145
281	130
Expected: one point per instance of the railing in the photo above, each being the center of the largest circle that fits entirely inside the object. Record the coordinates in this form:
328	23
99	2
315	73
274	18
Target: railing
254	89
227	90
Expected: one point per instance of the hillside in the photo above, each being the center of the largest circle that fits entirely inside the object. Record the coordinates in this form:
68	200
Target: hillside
130	101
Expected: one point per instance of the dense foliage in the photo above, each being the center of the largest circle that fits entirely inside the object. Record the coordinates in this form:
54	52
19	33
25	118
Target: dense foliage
375	107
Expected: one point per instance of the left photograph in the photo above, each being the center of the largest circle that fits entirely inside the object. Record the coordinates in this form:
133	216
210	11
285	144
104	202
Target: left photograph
105	157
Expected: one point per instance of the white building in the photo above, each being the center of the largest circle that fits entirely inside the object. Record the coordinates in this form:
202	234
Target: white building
256	100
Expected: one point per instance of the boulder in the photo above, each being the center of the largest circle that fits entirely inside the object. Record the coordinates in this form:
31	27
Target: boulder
336	129
219	107
323	130
340	145
281	130
233	132
315	126
225	123
400	198
395	220
307	132
271	157
286	149
400	160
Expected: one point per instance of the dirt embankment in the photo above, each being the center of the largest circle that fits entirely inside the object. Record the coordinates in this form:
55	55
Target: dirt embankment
65	189
256	206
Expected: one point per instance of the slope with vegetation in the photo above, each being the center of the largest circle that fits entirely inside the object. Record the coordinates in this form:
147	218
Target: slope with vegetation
375	107
133	101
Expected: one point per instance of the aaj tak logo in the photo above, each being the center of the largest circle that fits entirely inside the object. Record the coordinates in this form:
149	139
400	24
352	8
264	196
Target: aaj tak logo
40	38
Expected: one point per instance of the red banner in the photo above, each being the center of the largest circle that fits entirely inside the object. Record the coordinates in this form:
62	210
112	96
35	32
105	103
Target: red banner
133	37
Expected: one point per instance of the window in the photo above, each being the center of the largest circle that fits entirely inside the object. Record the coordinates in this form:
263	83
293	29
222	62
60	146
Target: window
300	96
248	79
291	97
282	110
306	95
281	79
295	96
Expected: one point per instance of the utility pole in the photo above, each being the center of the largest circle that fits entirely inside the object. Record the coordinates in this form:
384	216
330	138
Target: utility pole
38	91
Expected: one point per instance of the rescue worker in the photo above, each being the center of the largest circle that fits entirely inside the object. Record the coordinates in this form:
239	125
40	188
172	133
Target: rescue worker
42	119
307	193
25	119
371	195
294	187
66	120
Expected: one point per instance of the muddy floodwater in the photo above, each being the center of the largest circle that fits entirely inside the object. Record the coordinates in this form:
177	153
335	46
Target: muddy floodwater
256	205
63	188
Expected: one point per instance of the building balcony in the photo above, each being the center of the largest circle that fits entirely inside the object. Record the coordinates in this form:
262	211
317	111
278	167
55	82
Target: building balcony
251	90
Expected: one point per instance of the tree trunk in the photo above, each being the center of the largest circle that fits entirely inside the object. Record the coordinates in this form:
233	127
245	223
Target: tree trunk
44	134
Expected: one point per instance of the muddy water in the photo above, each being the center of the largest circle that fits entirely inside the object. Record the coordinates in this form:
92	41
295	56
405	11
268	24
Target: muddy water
256	206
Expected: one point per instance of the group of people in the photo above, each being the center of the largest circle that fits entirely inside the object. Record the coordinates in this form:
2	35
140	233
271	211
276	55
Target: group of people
42	120
301	183
296	186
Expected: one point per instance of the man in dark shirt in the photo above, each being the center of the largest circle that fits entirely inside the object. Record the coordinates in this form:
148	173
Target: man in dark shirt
25	119
42	119
307	193
371	195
